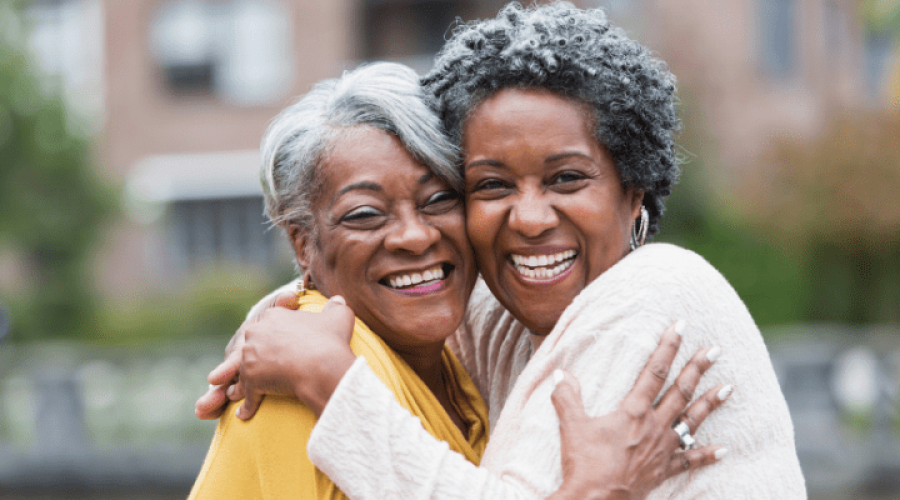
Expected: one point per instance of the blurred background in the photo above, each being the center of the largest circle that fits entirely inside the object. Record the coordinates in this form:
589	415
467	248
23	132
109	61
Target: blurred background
132	239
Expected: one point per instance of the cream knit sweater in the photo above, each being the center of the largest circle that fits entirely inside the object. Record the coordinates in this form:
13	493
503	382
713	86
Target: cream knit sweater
373	449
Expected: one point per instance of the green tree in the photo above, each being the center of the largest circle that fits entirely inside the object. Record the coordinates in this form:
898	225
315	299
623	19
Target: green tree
51	202
835	199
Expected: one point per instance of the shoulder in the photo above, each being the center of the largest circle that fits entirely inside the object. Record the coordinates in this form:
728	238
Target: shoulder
662	270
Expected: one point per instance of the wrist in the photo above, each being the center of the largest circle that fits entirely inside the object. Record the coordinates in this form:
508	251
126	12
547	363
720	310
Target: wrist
317	384
571	490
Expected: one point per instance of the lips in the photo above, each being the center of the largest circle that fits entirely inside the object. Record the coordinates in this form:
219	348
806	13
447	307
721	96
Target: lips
543	267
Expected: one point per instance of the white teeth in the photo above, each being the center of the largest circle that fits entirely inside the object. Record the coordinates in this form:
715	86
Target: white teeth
542	266
433	274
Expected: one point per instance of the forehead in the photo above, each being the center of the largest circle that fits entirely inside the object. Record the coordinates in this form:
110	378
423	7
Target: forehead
531	122
371	155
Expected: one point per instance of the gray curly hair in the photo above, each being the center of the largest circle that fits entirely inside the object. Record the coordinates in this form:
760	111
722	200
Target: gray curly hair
576	54
386	96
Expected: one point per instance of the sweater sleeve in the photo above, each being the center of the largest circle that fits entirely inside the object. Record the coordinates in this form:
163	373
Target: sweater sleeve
605	338
373	448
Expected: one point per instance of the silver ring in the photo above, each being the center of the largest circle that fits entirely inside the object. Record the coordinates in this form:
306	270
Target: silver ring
684	434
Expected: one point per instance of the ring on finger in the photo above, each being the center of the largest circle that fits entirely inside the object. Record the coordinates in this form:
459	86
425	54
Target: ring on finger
684	435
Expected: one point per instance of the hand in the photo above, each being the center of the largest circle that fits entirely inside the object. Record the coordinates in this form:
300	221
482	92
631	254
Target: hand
211	405
297	353
629	452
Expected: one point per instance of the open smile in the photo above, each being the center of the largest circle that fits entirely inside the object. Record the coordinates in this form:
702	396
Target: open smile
543	268
423	282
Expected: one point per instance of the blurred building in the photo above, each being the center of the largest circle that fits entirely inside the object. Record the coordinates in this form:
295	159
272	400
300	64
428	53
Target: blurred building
180	93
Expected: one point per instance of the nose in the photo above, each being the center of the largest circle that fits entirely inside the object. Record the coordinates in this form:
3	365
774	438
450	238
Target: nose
532	214
412	233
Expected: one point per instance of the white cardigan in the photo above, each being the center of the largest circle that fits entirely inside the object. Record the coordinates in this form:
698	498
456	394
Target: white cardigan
373	449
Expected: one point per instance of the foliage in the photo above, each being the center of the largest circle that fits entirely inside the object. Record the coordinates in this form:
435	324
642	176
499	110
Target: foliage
52	203
213	304
832	198
771	280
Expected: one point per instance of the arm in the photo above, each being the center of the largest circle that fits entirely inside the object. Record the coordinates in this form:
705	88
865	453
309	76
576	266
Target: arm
363	419
604	348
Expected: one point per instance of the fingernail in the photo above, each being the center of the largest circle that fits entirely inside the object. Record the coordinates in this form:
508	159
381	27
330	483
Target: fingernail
340	300
721	452
725	392
679	326
713	354
558	375
230	391
237	412
212	387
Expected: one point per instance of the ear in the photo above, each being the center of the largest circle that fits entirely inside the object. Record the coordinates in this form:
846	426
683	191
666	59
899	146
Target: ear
637	199
301	240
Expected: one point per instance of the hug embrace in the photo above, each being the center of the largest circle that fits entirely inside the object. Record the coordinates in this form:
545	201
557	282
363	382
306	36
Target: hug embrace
481	313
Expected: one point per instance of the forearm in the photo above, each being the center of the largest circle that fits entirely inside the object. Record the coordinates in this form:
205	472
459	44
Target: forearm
372	448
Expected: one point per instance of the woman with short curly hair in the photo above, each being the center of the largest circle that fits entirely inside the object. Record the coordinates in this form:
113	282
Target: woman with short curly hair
565	126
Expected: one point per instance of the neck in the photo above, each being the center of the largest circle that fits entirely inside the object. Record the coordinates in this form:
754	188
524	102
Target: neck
426	362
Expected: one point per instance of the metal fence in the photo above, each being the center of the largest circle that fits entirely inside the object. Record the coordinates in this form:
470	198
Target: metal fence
84	421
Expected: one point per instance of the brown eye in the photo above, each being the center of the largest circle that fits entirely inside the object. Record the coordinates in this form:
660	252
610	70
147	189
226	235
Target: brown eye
441	201
568	176
490	185
361	214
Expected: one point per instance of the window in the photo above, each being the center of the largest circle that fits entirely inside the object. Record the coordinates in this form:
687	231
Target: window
778	25
208	206
408	28
879	47
223	229
66	39
238	51
837	34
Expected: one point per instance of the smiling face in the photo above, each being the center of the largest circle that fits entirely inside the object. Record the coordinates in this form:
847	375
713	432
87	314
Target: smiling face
391	240
546	210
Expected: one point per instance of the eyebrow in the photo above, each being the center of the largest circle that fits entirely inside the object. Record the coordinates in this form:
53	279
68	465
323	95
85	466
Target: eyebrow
494	163
367	186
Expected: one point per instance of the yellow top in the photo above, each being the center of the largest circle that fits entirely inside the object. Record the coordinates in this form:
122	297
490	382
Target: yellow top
265	457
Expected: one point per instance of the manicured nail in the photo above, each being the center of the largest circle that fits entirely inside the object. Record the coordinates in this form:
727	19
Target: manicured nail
721	452
679	326
212	387
237	412
558	375
340	300
713	354
725	392
230	391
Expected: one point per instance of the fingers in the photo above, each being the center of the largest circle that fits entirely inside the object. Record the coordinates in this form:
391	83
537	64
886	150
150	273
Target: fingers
333	302
227	370
694	459
341	316
566	397
211	405
703	406
249	406
287	300
653	376
236	391
680	394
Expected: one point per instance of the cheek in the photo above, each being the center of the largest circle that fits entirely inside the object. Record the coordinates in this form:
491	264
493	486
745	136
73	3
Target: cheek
482	225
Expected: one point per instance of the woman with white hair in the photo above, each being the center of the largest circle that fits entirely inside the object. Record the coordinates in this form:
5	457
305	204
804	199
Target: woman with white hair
362	179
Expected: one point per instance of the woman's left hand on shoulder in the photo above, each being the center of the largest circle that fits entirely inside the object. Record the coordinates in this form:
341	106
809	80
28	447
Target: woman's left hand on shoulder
282	352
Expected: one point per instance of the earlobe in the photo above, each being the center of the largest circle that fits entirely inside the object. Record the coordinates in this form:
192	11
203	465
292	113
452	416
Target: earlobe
302	244
637	201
